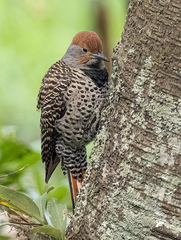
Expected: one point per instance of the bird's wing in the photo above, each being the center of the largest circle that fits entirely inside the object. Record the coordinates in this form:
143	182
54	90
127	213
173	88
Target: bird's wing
53	107
58	73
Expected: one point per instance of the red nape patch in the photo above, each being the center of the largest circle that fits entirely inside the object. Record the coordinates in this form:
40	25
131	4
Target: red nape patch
89	40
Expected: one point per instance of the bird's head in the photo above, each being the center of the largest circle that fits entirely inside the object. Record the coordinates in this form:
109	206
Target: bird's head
85	51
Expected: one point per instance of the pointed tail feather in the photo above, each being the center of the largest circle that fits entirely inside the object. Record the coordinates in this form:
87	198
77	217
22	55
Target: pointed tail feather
50	167
74	186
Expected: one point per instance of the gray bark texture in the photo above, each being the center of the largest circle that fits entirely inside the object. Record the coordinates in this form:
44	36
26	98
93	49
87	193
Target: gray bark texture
132	188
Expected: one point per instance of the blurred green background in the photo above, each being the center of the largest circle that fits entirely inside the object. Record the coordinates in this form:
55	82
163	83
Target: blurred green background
33	35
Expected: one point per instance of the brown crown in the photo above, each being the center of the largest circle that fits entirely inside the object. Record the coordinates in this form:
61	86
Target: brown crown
89	40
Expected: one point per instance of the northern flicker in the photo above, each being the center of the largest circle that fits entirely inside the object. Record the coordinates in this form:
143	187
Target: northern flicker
71	97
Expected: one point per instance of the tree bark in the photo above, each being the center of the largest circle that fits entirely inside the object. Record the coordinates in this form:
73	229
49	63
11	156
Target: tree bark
133	182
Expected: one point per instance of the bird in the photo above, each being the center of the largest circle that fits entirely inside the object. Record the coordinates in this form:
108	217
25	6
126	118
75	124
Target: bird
71	98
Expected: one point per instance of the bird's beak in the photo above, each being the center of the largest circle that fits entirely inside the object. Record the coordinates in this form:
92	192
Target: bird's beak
100	56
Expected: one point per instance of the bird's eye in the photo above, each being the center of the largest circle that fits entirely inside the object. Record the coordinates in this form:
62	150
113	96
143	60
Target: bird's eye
85	49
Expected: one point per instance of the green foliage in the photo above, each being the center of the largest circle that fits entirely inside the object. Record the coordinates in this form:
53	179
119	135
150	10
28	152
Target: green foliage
41	203
19	203
4	238
49	230
58	215
14	155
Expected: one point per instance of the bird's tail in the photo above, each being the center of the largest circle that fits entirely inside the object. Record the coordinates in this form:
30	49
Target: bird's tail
74	186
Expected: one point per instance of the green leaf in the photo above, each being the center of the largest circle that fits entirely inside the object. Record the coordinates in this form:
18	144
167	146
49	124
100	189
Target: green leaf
58	215
4	238
41	202
20	202
14	155
49	230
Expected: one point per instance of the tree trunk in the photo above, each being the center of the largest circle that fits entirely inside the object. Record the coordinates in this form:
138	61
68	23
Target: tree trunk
133	184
